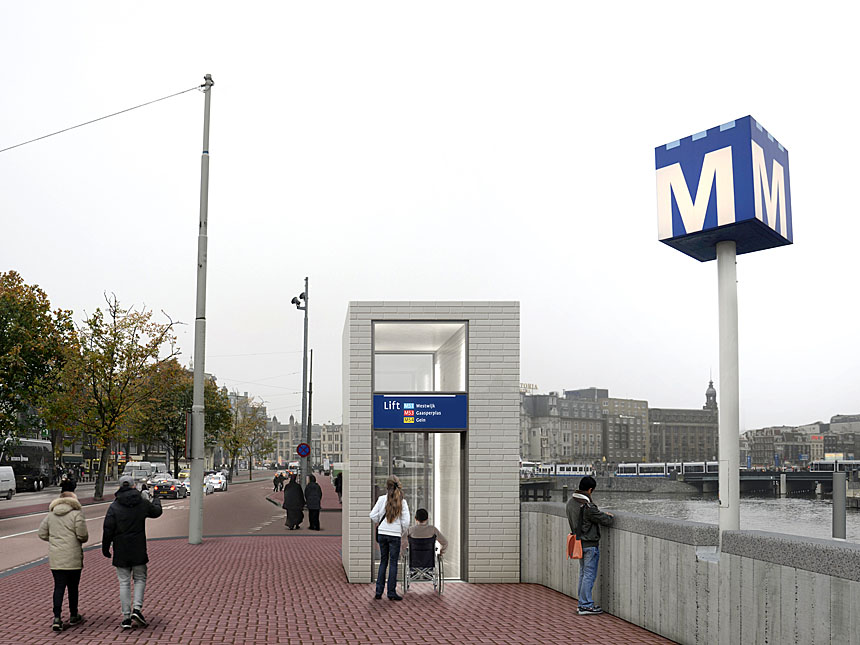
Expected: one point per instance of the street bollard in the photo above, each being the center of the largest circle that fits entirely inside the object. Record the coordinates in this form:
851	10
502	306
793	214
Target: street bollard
564	493
839	505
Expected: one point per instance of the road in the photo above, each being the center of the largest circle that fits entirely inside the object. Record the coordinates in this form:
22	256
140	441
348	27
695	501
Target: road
241	510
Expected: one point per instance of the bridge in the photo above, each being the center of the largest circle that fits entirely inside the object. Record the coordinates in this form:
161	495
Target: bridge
766	481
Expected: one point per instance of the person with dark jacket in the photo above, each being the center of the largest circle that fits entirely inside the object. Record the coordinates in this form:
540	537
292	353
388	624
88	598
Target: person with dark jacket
125	529
65	530
294	502
313	498
275	480
338	486
585	520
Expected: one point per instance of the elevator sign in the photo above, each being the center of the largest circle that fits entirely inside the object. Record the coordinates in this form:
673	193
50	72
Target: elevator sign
420	412
729	182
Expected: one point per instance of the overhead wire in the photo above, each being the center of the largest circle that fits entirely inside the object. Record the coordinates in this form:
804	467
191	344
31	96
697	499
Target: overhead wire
101	118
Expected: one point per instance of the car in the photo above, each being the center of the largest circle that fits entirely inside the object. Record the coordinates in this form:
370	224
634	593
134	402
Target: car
169	488
185	473
208	487
219	482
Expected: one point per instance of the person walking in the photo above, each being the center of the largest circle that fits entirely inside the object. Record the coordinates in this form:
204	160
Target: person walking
338	487
313	498
585	520
294	502
125	530
275	481
65	530
391	514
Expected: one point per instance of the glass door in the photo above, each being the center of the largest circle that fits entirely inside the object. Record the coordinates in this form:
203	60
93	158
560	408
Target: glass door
429	468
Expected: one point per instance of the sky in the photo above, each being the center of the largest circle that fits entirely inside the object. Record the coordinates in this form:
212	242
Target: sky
437	151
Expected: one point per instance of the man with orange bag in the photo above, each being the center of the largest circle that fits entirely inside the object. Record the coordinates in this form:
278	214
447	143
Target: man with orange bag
585	519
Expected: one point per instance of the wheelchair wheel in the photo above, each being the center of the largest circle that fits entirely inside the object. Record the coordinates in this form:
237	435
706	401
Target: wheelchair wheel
439	577
404	572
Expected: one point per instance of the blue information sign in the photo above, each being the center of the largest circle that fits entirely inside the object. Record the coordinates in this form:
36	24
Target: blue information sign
420	412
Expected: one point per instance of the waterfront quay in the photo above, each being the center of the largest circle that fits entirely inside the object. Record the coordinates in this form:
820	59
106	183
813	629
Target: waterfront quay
252	581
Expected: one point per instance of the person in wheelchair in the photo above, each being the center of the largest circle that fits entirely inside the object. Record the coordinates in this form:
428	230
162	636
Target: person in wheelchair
423	530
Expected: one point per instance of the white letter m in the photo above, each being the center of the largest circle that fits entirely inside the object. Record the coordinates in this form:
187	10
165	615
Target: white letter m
716	166
774	195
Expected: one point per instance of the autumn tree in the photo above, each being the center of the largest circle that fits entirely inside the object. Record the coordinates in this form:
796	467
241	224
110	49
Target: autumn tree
260	441
119	349
33	350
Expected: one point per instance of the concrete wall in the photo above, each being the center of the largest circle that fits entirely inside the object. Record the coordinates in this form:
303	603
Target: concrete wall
492	522
666	576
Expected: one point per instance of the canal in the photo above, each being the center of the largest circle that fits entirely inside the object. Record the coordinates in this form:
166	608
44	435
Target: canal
807	516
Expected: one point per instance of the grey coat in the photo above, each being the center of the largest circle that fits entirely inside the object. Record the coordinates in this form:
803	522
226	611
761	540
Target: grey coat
65	529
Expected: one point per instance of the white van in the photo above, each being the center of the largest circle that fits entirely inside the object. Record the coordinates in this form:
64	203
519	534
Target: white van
7	482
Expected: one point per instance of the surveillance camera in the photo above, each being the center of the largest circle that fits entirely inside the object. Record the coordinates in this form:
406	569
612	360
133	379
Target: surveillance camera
303	296
295	301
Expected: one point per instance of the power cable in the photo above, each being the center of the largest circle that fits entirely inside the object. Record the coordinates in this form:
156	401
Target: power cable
102	118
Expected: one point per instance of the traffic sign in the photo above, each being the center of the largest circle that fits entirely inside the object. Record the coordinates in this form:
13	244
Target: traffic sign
303	450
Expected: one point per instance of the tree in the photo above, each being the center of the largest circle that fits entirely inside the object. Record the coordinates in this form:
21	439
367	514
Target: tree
119	348
33	349
160	417
260	441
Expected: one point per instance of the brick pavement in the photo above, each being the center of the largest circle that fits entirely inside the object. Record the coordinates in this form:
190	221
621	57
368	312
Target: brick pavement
292	589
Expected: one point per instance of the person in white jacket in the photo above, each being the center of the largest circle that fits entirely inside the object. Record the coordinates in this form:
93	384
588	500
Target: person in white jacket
391	514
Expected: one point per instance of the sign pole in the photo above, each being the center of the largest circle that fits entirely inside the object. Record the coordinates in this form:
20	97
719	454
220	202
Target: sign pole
727	288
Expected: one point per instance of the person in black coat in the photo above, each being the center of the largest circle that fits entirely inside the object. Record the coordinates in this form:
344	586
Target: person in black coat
125	530
338	486
294	502
313	497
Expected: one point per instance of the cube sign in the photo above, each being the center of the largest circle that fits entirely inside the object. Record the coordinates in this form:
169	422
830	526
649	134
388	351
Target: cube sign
726	183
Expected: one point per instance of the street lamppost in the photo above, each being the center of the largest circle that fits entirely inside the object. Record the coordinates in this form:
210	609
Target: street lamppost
306	431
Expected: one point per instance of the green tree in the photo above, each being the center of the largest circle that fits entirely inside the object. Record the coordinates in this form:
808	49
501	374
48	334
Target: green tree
260	441
119	348
33	342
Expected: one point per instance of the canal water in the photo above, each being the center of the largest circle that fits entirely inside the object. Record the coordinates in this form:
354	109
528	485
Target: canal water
807	516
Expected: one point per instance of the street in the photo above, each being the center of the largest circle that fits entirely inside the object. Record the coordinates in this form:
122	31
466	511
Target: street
241	510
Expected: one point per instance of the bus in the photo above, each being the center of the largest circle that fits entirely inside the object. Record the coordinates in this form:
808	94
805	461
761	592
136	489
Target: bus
32	460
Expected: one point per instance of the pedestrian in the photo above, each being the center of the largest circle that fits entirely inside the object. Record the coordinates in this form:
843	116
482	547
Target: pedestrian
338	486
294	501
275	481
65	530
391	514
313	498
281	479
423	529
585	520
125	529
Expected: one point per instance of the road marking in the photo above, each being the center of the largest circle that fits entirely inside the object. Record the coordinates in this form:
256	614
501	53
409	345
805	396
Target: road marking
18	517
3	537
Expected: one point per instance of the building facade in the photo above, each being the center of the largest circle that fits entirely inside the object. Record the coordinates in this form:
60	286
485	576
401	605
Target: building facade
685	435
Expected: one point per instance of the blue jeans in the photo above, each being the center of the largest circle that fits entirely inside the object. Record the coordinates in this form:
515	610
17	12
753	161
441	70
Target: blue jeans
587	576
389	550
125	575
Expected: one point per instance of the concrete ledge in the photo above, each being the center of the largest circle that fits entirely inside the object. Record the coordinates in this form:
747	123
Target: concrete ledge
664	528
829	557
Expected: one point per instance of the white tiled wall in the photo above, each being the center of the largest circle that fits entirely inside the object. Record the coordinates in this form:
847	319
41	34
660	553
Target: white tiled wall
492	487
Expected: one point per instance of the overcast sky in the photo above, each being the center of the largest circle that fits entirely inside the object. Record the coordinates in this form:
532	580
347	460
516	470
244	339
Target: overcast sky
438	151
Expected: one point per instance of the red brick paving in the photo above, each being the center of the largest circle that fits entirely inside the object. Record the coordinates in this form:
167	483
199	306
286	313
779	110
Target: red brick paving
273	589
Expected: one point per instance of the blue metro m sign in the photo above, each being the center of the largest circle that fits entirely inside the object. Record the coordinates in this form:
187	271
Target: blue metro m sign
726	183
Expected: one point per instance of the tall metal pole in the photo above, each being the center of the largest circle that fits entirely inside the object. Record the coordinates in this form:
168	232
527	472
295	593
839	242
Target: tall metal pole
310	411
195	516
306	431
838	519
727	287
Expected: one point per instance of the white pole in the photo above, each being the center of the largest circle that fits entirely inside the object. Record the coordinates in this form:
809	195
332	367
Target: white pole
727	278
306	431
195	516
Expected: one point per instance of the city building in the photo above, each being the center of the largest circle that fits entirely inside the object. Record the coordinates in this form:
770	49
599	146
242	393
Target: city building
685	435
842	423
332	442
560	429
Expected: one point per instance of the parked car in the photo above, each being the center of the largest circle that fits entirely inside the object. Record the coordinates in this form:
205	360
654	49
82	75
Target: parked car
169	488
219	481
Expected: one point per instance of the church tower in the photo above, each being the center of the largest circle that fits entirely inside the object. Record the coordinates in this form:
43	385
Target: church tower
710	397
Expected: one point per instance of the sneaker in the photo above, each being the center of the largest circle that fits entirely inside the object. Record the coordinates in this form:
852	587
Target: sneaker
77	619
57	625
126	623
137	617
589	611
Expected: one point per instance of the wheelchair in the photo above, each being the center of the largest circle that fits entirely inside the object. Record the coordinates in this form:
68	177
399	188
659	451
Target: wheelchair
421	563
